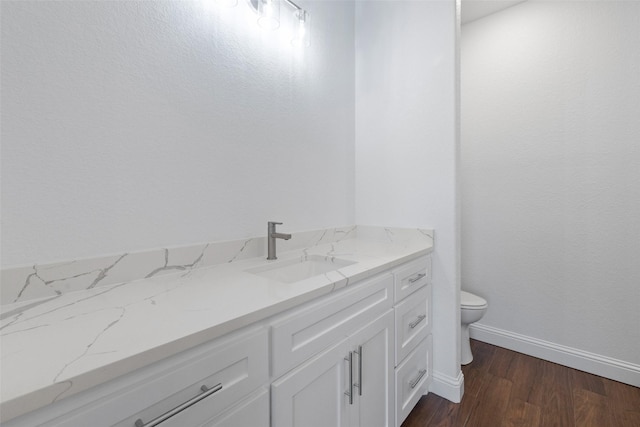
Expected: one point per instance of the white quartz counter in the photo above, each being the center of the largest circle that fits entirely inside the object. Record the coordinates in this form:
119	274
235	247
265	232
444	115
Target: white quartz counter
53	348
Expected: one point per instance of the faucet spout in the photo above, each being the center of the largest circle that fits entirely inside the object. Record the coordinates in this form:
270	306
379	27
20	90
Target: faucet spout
283	236
272	235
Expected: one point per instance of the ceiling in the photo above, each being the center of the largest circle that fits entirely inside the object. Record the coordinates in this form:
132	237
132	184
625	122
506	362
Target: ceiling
476	9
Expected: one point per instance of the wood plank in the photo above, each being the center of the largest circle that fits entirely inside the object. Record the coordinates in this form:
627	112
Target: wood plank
625	401
502	362
522	414
474	380
587	381
524	373
491	404
478	382
423	411
432	410
591	409
557	402
482	354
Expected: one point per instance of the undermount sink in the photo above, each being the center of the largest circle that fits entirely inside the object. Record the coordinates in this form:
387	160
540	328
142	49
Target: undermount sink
294	270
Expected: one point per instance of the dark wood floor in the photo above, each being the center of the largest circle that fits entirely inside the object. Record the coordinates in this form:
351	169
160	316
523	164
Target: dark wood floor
504	388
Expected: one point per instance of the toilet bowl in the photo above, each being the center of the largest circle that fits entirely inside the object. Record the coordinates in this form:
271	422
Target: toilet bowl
472	308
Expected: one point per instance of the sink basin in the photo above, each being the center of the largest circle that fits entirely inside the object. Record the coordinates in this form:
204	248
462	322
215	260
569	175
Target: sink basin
294	270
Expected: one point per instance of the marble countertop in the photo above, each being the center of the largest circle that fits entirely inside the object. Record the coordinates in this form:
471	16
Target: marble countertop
55	347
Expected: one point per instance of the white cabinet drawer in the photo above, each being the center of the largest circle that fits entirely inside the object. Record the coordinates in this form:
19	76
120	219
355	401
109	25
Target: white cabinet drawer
411	277
413	377
239	363
413	322
251	412
239	367
313	327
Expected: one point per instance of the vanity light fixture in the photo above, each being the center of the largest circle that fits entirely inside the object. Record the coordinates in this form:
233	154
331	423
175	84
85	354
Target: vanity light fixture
269	18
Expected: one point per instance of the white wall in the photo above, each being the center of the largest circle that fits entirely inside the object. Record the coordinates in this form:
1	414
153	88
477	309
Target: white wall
136	125
551	180
406	145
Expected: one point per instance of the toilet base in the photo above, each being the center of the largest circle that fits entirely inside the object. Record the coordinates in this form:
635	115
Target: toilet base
466	356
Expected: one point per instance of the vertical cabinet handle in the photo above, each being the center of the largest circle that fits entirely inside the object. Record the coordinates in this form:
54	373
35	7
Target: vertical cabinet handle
415	382
360	368
418	320
206	392
350	392
359	383
416	278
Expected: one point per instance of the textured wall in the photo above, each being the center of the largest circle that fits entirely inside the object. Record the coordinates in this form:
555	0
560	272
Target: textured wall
406	148
551	172
135	125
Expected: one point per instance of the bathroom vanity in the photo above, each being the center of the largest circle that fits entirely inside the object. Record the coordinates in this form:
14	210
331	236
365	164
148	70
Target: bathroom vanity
229	345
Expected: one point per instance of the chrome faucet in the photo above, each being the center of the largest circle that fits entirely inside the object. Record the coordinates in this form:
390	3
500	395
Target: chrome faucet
271	239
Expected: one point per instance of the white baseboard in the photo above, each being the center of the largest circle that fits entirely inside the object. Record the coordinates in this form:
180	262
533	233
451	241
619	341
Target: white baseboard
603	366
451	388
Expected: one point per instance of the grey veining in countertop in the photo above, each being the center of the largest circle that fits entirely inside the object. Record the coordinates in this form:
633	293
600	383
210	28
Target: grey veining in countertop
99	332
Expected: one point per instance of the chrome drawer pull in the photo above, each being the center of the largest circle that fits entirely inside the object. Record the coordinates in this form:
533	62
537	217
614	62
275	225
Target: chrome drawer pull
418	320
350	392
206	393
359	384
418	277
415	382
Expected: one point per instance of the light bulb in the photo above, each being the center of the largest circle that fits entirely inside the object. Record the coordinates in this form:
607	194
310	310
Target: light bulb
269	14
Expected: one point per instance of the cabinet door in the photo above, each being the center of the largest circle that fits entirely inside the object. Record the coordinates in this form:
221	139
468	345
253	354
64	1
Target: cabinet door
373	373
313	394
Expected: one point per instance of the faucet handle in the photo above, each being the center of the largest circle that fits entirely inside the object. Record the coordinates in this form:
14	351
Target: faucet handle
274	223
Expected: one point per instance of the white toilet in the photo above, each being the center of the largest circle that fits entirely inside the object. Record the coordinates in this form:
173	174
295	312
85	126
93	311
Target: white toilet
472	308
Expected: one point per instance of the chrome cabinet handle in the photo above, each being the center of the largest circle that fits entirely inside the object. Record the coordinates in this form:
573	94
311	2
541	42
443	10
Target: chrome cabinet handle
418	320
359	383
415	382
350	392
206	393
416	278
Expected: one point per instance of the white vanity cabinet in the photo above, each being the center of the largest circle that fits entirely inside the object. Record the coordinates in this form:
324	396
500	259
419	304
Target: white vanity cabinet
193	388
357	357
345	344
413	346
361	357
